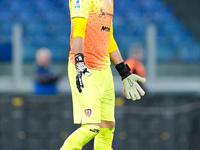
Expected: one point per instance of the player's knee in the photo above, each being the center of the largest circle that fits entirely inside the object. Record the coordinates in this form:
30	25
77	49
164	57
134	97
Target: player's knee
107	124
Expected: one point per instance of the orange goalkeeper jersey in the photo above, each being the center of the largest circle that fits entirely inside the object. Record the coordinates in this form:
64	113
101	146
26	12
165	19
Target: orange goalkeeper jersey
99	14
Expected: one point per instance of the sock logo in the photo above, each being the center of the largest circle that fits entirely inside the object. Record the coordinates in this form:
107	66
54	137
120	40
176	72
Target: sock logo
95	130
88	112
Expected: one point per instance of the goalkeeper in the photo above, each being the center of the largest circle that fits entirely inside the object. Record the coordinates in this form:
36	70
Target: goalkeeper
92	48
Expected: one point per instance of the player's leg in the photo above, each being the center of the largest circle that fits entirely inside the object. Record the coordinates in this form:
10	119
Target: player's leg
105	137
80	137
86	110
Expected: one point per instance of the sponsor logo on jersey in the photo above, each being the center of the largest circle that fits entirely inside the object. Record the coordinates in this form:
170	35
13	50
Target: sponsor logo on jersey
88	112
77	4
105	29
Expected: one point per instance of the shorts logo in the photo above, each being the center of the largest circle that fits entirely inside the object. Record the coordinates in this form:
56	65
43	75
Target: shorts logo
88	112
77	4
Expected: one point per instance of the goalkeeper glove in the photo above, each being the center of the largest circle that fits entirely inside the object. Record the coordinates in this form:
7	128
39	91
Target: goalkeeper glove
131	87
81	70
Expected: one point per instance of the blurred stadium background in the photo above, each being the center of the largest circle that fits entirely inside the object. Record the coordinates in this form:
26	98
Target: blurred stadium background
168	119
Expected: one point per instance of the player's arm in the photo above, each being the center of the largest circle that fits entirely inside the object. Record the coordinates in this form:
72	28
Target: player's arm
113	49
79	14
79	26
131	87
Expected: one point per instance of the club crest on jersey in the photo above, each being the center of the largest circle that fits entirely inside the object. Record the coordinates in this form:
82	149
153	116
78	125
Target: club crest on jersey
88	112
77	4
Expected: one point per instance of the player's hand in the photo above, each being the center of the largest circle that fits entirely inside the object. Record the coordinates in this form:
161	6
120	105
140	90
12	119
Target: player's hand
132	88
81	70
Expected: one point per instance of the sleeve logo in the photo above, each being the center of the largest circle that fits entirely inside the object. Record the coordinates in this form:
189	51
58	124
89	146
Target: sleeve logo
88	112
77	4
